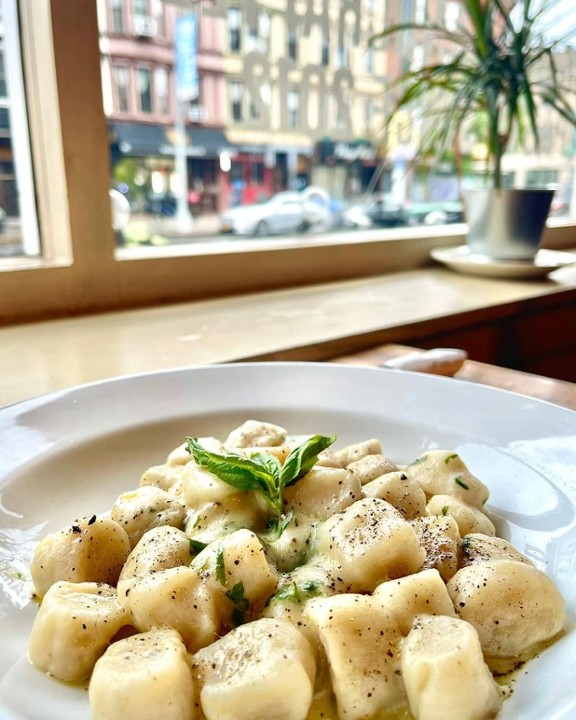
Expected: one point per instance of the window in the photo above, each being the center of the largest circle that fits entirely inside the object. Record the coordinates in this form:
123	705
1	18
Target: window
117	7
293	109
144	77
420	11
292	45
79	152
325	55
368	113
235	29
140	9
256	173
369	60
236	94
121	76
19	233
162	90
451	16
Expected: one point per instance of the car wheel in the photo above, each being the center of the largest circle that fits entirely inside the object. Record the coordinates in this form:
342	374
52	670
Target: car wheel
262	229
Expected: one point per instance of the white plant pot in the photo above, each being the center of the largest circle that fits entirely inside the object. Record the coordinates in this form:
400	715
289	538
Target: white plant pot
507	224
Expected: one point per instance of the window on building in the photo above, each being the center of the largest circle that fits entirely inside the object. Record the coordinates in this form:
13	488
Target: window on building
140	9
19	232
144	79
293	109
369	60
451	15
325	53
368	113
159	17
236	95
235	29
264	30
407	10
292	48
420	11
162	90
121	80
117	8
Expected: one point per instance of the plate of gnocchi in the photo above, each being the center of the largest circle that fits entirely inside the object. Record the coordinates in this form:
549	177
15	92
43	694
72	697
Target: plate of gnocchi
287	540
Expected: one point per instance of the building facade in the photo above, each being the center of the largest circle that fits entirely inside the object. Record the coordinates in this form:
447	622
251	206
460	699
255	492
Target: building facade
290	93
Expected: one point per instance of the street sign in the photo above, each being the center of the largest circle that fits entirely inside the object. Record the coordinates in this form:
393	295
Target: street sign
186	58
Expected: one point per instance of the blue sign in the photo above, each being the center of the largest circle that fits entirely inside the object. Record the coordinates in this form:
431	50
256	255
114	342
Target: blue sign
186	57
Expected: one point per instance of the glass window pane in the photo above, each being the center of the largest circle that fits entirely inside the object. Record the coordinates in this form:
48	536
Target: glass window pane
117	15
161	88
287	101
19	234
144	90
122	83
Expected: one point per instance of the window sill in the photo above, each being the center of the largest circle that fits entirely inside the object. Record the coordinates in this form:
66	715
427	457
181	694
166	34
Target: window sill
315	322
157	276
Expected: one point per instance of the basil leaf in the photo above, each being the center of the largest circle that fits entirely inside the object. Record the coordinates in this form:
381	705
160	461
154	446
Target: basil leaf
269	462
237	596
196	546
303	458
262	472
236	470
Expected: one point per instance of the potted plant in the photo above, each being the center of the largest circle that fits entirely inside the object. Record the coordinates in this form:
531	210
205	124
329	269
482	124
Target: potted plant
502	66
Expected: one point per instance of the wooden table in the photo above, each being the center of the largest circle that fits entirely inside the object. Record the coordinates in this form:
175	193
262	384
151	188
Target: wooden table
554	391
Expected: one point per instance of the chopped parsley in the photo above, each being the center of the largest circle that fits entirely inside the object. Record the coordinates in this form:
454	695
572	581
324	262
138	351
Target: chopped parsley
458	480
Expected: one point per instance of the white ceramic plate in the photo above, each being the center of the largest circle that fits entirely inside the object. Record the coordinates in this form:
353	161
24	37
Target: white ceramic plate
70	454
463	260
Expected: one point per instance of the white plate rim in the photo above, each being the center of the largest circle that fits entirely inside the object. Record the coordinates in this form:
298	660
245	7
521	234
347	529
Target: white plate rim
563	419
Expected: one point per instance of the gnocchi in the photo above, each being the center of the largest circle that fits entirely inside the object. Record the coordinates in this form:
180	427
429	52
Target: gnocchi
268	575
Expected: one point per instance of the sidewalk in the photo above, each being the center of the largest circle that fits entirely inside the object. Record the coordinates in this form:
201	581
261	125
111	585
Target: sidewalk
170	228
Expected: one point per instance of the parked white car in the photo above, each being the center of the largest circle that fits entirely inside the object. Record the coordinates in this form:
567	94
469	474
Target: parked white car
284	213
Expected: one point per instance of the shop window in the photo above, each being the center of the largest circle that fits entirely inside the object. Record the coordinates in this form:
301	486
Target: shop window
256	173
144	76
117	13
236	171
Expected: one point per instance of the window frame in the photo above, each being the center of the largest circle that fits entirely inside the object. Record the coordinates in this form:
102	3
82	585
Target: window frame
81	271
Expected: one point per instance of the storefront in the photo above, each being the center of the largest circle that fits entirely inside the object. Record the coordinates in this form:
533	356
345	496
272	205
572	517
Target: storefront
259	171
143	164
346	169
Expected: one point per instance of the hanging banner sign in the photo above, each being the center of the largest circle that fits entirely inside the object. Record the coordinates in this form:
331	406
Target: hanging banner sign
186	58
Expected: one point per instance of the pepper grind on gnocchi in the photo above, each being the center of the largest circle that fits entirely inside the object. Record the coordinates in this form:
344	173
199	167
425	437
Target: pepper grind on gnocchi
267	575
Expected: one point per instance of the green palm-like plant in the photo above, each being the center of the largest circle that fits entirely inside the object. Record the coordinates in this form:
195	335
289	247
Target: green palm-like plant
502	66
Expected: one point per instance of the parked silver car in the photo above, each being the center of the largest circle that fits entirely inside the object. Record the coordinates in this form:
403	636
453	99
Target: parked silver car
285	212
